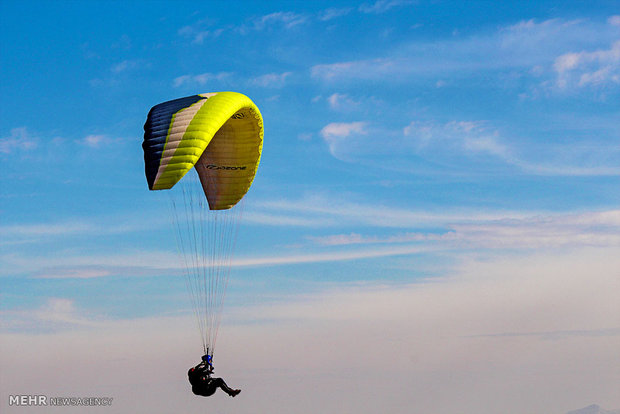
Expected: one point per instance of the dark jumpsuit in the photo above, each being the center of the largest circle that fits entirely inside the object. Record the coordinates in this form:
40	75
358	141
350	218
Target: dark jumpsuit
204	385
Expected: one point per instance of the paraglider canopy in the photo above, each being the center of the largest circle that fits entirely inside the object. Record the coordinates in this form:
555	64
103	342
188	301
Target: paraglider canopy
220	134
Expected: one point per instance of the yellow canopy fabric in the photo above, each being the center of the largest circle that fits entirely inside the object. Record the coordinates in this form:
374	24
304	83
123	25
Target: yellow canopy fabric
219	134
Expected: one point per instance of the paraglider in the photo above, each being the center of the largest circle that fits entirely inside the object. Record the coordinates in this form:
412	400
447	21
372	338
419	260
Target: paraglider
220	136
204	384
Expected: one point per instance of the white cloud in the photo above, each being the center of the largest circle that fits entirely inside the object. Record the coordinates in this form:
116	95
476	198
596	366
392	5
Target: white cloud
329	71
118	73
589	229
282	219
452	229
566	62
61	311
343	129
361	69
126	65
523	232
75	227
329	210
585	68
19	140
598	77
472	145
333	13
340	102
486	143
42	230
181	80
201	79
461	139
74	273
382	6
488	232
53	315
355	238
519	47
340	137
187	30
146	263
199	31
614	20
466	136
202	29
332	256
272	80
335	99
592	161
95	141
286	19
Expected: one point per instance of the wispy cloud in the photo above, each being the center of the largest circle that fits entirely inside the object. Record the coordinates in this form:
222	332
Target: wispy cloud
205	29
200	31
325	210
583	69
332	256
273	80
76	227
18	140
382	6
476	145
451	230
361	69
98	141
333	13
356	238
127	65
62	311
468	136
343	129
54	315
201	79
78	265
523	232
526	47
46	229
74	273
341	102
286	19
282	219
54	151
563	168
119	72
340	134
453	140
143	264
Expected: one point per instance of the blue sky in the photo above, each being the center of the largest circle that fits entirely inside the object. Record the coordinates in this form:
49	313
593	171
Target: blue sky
419	156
